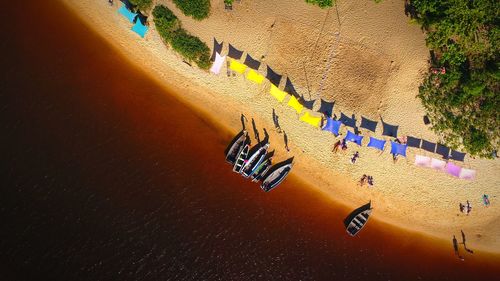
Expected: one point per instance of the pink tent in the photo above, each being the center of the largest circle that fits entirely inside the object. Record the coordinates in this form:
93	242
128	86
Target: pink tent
422	161
467	174
439	165
453	169
219	61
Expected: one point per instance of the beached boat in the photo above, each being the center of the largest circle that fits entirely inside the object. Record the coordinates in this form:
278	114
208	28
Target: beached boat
254	160
236	146
276	175
240	159
356	220
262	170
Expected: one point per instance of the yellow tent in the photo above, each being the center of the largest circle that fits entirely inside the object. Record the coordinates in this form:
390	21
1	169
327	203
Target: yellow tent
294	103
277	93
255	77
237	66
314	121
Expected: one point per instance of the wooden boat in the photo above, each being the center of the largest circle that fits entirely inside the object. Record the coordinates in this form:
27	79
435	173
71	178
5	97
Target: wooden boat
262	169
254	160
276	175
236	146
240	160
356	220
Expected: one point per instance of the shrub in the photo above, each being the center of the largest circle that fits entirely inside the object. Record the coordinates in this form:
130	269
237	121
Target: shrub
463	104
143	5
165	21
190	47
197	9
322	3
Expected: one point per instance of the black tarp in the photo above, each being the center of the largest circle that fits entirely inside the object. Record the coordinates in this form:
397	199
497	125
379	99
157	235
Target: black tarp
252	63
307	103
217	49
289	88
326	107
428	146
128	5
459	156
234	53
443	150
389	130
348	121
273	77
413	142
368	124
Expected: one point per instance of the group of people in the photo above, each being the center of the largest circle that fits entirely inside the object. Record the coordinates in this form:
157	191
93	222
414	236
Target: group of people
342	144
366	179
465	208
455	246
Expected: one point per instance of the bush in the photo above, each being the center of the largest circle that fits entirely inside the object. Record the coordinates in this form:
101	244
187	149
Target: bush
190	47
142	5
463	104
197	9
322	3
165	21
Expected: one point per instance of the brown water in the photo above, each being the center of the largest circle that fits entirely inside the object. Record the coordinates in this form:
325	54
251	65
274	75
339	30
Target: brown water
102	180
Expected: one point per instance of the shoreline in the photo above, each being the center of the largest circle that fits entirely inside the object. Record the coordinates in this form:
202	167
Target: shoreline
191	85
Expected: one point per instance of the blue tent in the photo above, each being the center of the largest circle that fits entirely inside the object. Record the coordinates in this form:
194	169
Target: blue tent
332	126
352	137
398	149
128	14
376	143
139	28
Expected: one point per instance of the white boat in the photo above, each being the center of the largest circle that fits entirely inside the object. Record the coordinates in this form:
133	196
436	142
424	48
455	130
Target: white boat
276	175
240	160
236	146
254	160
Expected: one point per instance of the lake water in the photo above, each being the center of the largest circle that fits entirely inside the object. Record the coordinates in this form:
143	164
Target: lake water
107	177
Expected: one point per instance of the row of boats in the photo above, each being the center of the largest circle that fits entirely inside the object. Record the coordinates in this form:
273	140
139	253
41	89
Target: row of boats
256	162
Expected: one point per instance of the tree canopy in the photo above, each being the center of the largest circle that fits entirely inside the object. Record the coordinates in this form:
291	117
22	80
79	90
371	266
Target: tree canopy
322	3
462	101
142	4
197	9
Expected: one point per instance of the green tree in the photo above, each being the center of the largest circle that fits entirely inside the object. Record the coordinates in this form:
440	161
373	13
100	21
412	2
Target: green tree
142	5
165	21
197	9
463	104
322	3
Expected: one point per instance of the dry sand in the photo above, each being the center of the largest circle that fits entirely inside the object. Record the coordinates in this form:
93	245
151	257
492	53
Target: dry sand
367	58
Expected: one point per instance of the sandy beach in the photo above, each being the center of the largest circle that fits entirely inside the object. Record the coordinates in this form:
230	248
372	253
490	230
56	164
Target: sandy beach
367	58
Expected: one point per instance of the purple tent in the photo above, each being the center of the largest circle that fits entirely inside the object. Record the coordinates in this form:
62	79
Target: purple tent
398	149
453	169
352	137
332	126
376	143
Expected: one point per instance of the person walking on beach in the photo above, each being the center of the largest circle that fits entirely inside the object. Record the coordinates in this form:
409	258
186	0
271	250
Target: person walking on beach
370	180
336	146
285	138
469	207
363	180
354	157
344	144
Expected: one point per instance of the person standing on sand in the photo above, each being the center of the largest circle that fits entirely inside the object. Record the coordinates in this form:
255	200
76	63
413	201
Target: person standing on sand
354	157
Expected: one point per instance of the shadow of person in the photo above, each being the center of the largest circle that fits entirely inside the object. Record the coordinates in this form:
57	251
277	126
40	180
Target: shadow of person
243	120
266	136
276	121
285	138
255	131
463	242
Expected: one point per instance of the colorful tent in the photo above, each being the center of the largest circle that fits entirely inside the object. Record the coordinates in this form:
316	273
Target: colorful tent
467	174
217	49
218	63
376	143
428	146
348	121
442	150
139	28
295	104
277	93
251	62
255	77
398	149
237	66
126	13
332	126
273	77
413	142
422	161
234	53
389	130
368	124
326	107
352	137
459	156
289	88
309	104
453	169
438	164
311	120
